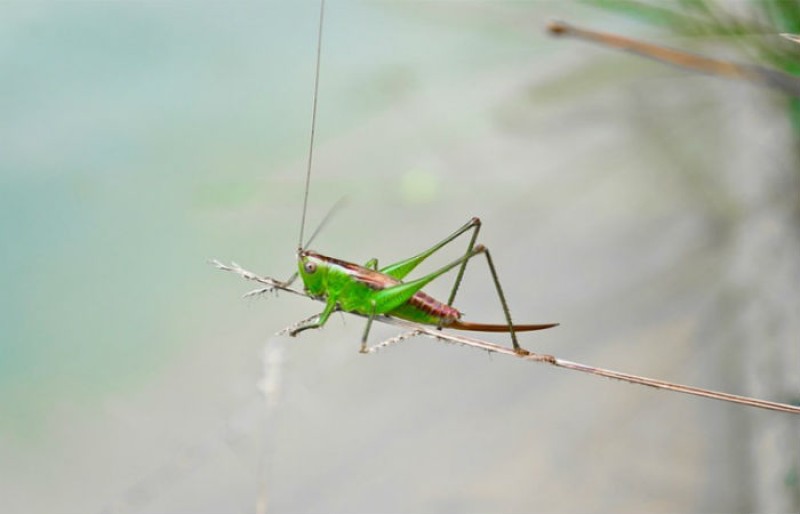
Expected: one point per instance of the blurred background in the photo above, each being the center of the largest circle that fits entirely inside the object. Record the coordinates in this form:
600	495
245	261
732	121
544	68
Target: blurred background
652	212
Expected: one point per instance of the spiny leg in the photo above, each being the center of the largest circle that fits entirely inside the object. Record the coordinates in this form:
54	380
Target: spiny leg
471	252
400	269
476	222
390	298
366	330
506	311
294	326
330	306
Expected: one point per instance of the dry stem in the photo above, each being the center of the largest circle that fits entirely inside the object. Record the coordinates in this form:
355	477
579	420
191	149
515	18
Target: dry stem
446	337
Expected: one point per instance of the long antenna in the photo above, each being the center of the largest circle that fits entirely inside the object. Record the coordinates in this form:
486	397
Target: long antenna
324	221
313	125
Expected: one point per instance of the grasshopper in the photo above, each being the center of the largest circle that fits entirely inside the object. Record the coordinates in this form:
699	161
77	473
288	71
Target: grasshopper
372	291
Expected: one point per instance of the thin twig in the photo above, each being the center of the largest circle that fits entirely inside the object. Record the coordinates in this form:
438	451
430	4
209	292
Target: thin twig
393	340
446	337
273	285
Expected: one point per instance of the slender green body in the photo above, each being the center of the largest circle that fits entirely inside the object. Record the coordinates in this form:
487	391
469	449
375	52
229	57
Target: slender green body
371	292
354	288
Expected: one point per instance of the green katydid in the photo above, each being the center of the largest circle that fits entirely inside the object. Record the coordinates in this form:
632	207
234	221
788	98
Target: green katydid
373	291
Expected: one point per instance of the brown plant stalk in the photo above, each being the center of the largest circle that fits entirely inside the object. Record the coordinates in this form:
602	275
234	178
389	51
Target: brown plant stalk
415	330
788	84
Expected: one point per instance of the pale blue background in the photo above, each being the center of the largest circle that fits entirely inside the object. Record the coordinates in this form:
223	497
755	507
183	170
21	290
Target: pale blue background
139	139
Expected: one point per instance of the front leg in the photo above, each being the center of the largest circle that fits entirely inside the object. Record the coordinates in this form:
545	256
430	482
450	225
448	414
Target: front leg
322	318
294	326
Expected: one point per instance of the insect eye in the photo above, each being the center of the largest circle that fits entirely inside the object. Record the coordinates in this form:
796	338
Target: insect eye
310	267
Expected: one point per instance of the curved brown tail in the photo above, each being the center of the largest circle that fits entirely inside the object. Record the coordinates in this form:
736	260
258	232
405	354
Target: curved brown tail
485	327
